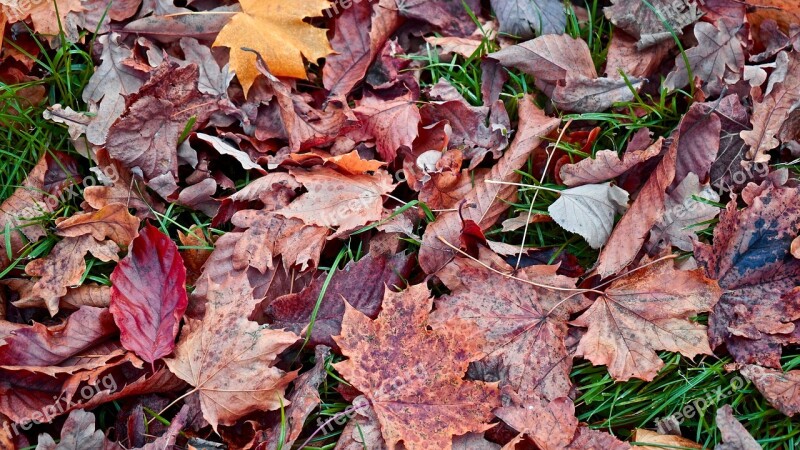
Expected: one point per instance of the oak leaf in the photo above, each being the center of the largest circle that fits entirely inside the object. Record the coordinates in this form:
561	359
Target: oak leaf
678	226
148	295
111	222
275	29
413	376
639	314
718	59
77	432
750	257
228	359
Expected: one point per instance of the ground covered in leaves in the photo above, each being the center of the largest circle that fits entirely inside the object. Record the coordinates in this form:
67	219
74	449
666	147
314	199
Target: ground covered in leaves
384	224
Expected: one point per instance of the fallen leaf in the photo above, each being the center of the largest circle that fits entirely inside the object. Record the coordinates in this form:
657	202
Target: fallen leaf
362	283
85	295
526	19
225	148
770	114
418	410
645	21
624	56
781	389
393	124
111	222
450	17
606	165
78	432
750	257
48	18
113	79
640	314
269	235
733	120
356	45
734	435
550	427
336	200
641	436
75	121
171	27
362	430
589	211
717	59
64	267
785	12
146	135
148	296
230	360
275	30
677	227
38	345
585	95
489	198
524	341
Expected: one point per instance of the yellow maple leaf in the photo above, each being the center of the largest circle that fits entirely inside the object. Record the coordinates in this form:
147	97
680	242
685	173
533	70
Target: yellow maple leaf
275	29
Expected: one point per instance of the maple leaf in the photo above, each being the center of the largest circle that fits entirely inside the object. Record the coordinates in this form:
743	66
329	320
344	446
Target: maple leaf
734	435
781	389
110	222
525	18
606	165
589	210
78	431
47	17
269	235
717	59
524	341
393	124
750	257
489	198
362	283
337	200
432	403
275	30
639	314
229	359
148	296
645	21
64	267
146	135
769	115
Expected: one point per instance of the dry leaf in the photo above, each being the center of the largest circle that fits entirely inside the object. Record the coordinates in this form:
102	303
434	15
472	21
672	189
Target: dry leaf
734	435
393	124
718	59
526	19
606	165
640	314
661	441
275	30
413	376
641	20
111	222
781	389
589	211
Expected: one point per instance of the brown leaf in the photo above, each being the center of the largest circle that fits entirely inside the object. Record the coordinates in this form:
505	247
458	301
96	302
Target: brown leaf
229	359
606	165
750	257
78	432
770	114
413	376
393	124
336	200
194	258
781	389
718	59
585	95
64	267
640	314
642	436
362	283
84	295
49	18
146	135
489	198
641	20
172	27
677	226
111	222
357	45
362	430
623	55
269	235
449	17
734	435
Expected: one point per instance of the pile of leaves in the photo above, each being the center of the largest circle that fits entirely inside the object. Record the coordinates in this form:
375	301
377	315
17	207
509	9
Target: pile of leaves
373	221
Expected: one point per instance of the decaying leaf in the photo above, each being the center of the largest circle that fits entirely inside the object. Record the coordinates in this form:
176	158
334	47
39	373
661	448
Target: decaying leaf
640	314
645	21
589	211
734	435
229	359
606	165
393	124
412	376
78	432
275	30
781	389
526	19
660	441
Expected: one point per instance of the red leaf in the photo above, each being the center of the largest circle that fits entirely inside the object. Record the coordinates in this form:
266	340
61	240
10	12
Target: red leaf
148	296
